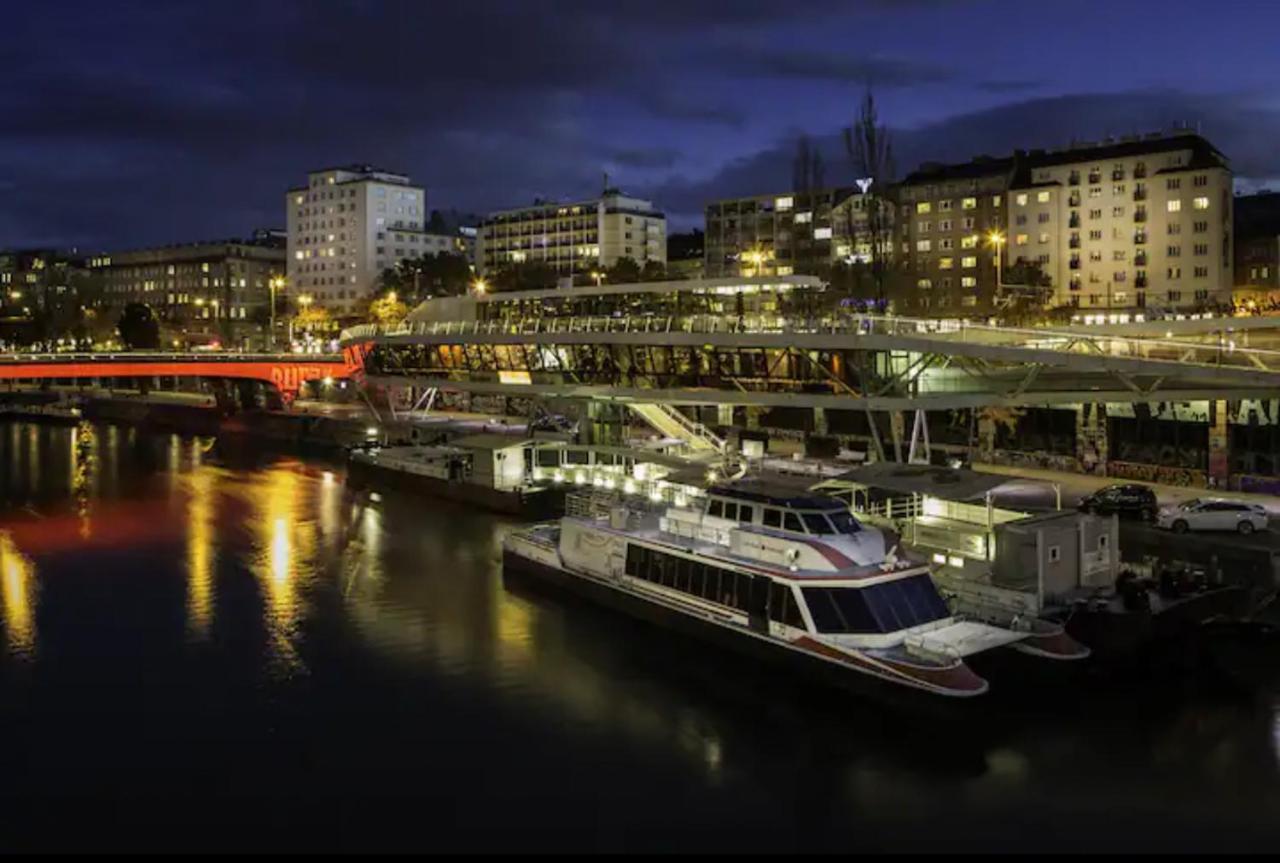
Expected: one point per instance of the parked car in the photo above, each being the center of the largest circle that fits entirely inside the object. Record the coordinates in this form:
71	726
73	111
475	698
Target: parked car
1214	514
1126	501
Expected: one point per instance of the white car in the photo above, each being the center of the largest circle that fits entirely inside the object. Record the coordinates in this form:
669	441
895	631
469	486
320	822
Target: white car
1213	514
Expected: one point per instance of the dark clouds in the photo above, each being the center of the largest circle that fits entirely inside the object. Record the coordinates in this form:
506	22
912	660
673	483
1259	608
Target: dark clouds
129	123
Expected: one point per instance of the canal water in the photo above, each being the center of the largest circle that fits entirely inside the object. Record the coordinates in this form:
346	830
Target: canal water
214	648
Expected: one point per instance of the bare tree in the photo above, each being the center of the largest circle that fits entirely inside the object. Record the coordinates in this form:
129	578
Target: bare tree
871	153
807	170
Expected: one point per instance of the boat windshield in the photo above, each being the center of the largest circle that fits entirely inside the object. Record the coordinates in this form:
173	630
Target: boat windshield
825	524
887	607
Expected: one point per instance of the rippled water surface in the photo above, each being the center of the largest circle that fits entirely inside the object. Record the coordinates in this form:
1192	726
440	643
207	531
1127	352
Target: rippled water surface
208	648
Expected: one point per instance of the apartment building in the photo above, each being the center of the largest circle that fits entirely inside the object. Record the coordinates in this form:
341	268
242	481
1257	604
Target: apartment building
1142	222
210	288
943	236
1138	223
575	237
794	232
1257	247
345	227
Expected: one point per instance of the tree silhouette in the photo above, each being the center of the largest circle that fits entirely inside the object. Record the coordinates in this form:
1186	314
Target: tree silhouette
138	328
871	153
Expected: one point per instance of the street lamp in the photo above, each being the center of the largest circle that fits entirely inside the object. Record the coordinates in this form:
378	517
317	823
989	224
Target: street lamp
598	276
480	286
275	283
996	239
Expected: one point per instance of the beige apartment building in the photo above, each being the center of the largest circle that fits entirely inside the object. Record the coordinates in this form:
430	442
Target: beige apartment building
575	237
1138	223
345	227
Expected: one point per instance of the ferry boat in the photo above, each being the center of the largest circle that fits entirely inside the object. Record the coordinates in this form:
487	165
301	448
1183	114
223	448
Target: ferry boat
791	579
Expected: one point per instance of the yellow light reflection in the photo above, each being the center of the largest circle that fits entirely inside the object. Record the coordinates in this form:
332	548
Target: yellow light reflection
284	543
200	553
84	473
17	584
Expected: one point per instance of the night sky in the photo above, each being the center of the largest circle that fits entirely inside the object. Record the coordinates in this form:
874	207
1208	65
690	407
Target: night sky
128	124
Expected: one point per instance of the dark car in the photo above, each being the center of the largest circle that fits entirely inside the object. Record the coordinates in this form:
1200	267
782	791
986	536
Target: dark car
1126	501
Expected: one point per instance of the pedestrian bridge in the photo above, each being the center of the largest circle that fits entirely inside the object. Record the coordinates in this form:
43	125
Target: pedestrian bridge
877	363
283	372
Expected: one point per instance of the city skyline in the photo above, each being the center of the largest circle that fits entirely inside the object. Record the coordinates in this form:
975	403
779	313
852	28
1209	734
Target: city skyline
160	124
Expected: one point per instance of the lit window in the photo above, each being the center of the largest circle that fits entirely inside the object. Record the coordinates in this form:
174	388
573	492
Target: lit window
924	207
1201	203
784	203
1044	238
970	242
968	282
945	263
785	271
969	263
1022	200
1042	197
924	246
1174	206
1020	240
822	233
924	283
802	218
969	204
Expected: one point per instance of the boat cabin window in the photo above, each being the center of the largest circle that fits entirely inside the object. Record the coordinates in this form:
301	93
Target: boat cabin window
773	518
745	513
710	582
817	523
731	511
886	607
791	521
716	508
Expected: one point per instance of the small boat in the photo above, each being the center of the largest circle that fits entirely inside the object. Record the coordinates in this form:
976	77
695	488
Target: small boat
792	580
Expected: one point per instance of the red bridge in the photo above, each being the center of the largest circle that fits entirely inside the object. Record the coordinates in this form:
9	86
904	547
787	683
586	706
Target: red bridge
283	372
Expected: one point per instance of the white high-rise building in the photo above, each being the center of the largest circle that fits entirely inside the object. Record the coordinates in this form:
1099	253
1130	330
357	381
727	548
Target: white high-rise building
345	227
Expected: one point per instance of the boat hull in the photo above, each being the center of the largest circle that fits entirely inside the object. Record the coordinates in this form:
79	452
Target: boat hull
770	652
542	504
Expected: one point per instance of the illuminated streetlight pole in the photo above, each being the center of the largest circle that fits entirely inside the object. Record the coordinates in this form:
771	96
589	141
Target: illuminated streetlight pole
275	283
996	239
480	286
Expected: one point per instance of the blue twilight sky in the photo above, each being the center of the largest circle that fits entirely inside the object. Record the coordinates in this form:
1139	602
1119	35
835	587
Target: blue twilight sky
130	123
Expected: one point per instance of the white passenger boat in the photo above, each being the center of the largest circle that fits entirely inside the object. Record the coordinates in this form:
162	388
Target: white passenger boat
791	579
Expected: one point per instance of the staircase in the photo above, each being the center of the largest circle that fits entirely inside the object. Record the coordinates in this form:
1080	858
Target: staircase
669	422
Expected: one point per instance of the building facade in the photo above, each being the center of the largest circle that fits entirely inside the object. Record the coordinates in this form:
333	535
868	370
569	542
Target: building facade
946	216
1142	223
345	227
794	232
573	238
217	290
1122	226
1257	264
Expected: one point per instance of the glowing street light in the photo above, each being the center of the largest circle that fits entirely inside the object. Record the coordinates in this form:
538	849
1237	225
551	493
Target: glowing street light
598	276
480	286
996	240
275	283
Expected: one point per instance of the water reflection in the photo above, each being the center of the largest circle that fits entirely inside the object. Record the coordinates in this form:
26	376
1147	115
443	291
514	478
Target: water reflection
17	585
386	628
281	560
200	552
